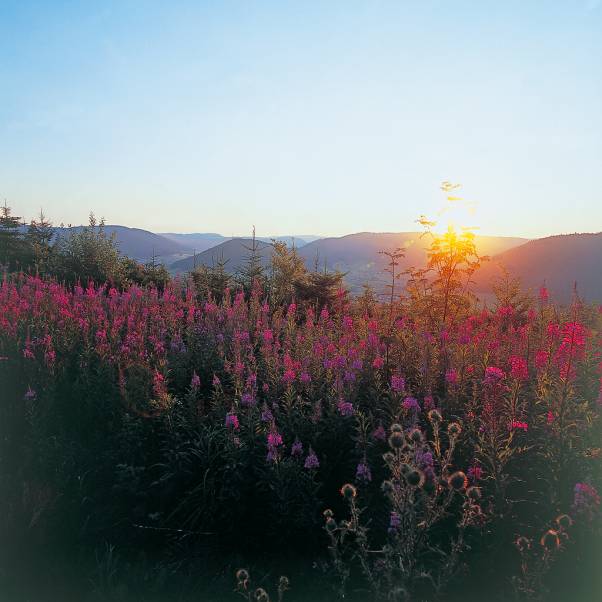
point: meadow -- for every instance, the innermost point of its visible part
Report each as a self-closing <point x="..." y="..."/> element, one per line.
<point x="204" y="437"/>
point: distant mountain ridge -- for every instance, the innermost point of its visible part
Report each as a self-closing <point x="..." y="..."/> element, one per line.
<point x="562" y="262"/>
<point x="559" y="260"/>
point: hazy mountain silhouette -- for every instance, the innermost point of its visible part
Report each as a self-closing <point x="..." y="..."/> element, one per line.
<point x="234" y="252"/>
<point x="359" y="254"/>
<point x="560" y="261"/>
<point x="139" y="244"/>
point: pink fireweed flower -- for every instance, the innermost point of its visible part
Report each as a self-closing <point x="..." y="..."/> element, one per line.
<point x="305" y="378"/>
<point x="451" y="376"/>
<point x="517" y="424"/>
<point x="216" y="382"/>
<point x="30" y="394"/>
<point x="195" y="382"/>
<point x="268" y="336"/>
<point x="475" y="472"/>
<point x="288" y="377"/>
<point x="398" y="383"/>
<point x="345" y="408"/>
<point x="378" y="362"/>
<point x="541" y="359"/>
<point x="232" y="421"/>
<point x="274" y="439"/>
<point x="493" y="375"/>
<point x="550" y="417"/>
<point x="543" y="294"/>
<point x="519" y="369"/>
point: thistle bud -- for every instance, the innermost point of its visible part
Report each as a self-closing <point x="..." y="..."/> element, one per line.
<point x="396" y="440"/>
<point x="348" y="491"/>
<point x="453" y="429"/>
<point x="474" y="493"/>
<point x="331" y="524"/>
<point x="387" y="487"/>
<point x="415" y="477"/>
<point x="550" y="540"/>
<point x="242" y="578"/>
<point x="396" y="428"/>
<point x="328" y="513"/>
<point x="522" y="544"/>
<point x="415" y="436"/>
<point x="388" y="457"/>
<point x="435" y="416"/>
<point x="564" y="521"/>
<point x="261" y="595"/>
<point x="458" y="480"/>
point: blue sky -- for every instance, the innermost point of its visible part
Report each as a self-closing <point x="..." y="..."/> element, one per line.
<point x="303" y="117"/>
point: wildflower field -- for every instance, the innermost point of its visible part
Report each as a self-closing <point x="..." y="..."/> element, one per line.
<point x="155" y="441"/>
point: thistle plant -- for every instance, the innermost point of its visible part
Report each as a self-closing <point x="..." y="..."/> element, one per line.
<point x="422" y="492"/>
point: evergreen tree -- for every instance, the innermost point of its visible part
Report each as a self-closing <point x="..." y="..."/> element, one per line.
<point x="13" y="249"/>
<point x="88" y="254"/>
<point x="287" y="267"/>
<point x="253" y="271"/>
<point x="39" y="238"/>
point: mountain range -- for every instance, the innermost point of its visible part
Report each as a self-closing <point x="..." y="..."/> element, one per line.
<point x="559" y="261"/>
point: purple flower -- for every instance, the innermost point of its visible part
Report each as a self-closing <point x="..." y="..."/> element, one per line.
<point x="411" y="403"/>
<point x="232" y="421"/>
<point x="429" y="402"/>
<point x="248" y="400"/>
<point x="30" y="394"/>
<point x="424" y="459"/>
<point x="311" y="461"/>
<point x="586" y="500"/>
<point x="394" y="522"/>
<point x="305" y="378"/>
<point x="379" y="433"/>
<point x="195" y="382"/>
<point x="266" y="414"/>
<point x="345" y="408"/>
<point x="297" y="448"/>
<point x="216" y="381"/>
<point x="398" y="383"/>
<point x="363" y="473"/>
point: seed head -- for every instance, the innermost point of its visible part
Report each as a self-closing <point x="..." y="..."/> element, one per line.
<point x="242" y="577"/>
<point x="564" y="521"/>
<point x="261" y="595"/>
<point x="387" y="487"/>
<point x="396" y="440"/>
<point x="454" y="429"/>
<point x="458" y="480"/>
<point x="550" y="540"/>
<point x="435" y="416"/>
<point x="522" y="544"/>
<point x="415" y="436"/>
<point x="474" y="493"/>
<point x="415" y="477"/>
<point x="348" y="491"/>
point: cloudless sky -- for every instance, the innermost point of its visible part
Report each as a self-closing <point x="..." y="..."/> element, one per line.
<point x="303" y="117"/>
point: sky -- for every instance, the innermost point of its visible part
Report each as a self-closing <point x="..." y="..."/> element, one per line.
<point x="303" y="117"/>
